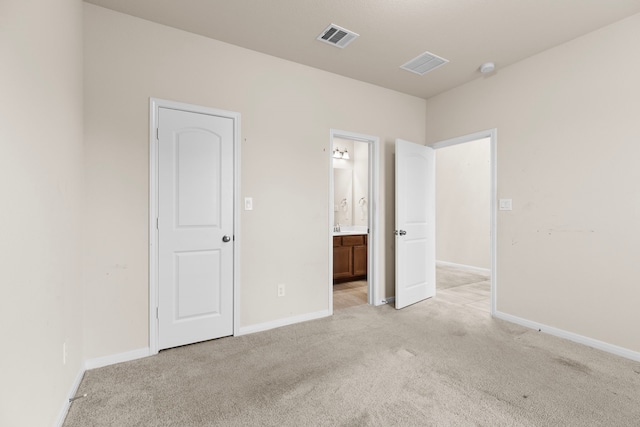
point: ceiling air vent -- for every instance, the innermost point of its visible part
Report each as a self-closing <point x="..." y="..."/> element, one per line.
<point x="424" y="63"/>
<point x="337" y="36"/>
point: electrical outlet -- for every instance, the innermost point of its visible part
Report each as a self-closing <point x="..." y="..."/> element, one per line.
<point x="506" y="205"/>
<point x="281" y="290"/>
<point x="64" y="353"/>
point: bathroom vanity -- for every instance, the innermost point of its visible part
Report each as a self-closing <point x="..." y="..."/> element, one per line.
<point x="349" y="257"/>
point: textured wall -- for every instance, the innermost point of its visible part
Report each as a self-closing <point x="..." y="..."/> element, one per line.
<point x="567" y="152"/>
<point x="463" y="204"/>
<point x="41" y="179"/>
<point x="285" y="107"/>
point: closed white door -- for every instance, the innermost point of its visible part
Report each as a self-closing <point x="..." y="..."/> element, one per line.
<point x="415" y="223"/>
<point x="195" y="223"/>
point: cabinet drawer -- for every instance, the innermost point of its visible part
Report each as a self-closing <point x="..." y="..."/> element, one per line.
<point x="337" y="241"/>
<point x="352" y="240"/>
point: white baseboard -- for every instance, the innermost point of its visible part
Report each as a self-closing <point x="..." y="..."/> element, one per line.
<point x="600" y="345"/>
<point x="282" y="322"/>
<point x="464" y="267"/>
<point x="67" y="403"/>
<point x="99" y="362"/>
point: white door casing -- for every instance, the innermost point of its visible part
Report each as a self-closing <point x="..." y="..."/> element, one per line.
<point x="415" y="223"/>
<point x="195" y="227"/>
<point x="492" y="134"/>
<point x="373" y="256"/>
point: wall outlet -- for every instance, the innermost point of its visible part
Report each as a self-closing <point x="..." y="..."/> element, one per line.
<point x="281" y="290"/>
<point x="505" y="205"/>
<point x="64" y="353"/>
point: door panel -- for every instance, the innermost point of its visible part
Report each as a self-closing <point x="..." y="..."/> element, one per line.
<point x="359" y="260"/>
<point x="415" y="223"/>
<point x="196" y="151"/>
<point x="342" y="262"/>
<point x="195" y="200"/>
<point x="194" y="271"/>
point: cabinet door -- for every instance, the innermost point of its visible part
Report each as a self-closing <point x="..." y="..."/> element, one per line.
<point x="359" y="260"/>
<point x="342" y="262"/>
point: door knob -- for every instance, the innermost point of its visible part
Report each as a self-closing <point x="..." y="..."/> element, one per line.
<point x="400" y="232"/>
<point x="226" y="239"/>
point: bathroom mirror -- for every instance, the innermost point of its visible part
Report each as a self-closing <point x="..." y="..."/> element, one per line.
<point x="351" y="185"/>
<point x="343" y="196"/>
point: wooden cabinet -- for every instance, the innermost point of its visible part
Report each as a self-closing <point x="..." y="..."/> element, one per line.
<point x="360" y="260"/>
<point x="349" y="257"/>
<point x="342" y="262"/>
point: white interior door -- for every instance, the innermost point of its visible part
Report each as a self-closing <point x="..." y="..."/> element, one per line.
<point x="195" y="227"/>
<point x="415" y="223"/>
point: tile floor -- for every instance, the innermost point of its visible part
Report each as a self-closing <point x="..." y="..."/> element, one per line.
<point x="349" y="294"/>
<point x="454" y="285"/>
<point x="463" y="287"/>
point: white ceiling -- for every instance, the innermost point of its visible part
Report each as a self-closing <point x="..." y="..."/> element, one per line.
<point x="466" y="32"/>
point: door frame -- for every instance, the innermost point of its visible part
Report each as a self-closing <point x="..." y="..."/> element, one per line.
<point x="492" y="134"/>
<point x="154" y="105"/>
<point x="373" y="214"/>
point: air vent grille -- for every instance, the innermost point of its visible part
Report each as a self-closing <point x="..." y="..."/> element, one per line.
<point x="424" y="63"/>
<point x="337" y="36"/>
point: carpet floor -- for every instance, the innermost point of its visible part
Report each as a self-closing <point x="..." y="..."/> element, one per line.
<point x="436" y="363"/>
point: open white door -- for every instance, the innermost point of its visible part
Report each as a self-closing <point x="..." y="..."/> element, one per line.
<point x="415" y="223"/>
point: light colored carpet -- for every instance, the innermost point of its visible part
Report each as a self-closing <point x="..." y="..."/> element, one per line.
<point x="434" y="363"/>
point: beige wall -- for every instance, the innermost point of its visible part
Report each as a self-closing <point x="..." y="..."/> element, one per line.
<point x="40" y="217"/>
<point x="284" y="106"/>
<point x="567" y="154"/>
<point x="463" y="204"/>
<point x="567" y="148"/>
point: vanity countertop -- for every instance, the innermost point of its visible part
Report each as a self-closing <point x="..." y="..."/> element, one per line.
<point x="349" y="233"/>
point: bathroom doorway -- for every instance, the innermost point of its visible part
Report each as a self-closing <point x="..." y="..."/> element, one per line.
<point x="352" y="219"/>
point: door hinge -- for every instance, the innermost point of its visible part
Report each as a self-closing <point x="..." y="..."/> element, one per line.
<point x="157" y="223"/>
<point x="157" y="313"/>
<point x="158" y="134"/>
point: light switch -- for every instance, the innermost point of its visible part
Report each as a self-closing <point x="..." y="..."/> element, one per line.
<point x="506" y="205"/>
<point x="248" y="203"/>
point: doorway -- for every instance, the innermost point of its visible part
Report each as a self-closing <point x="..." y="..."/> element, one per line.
<point x="353" y="219"/>
<point x="466" y="220"/>
<point x="193" y="222"/>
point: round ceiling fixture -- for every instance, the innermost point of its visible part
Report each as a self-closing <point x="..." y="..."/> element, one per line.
<point x="487" y="67"/>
